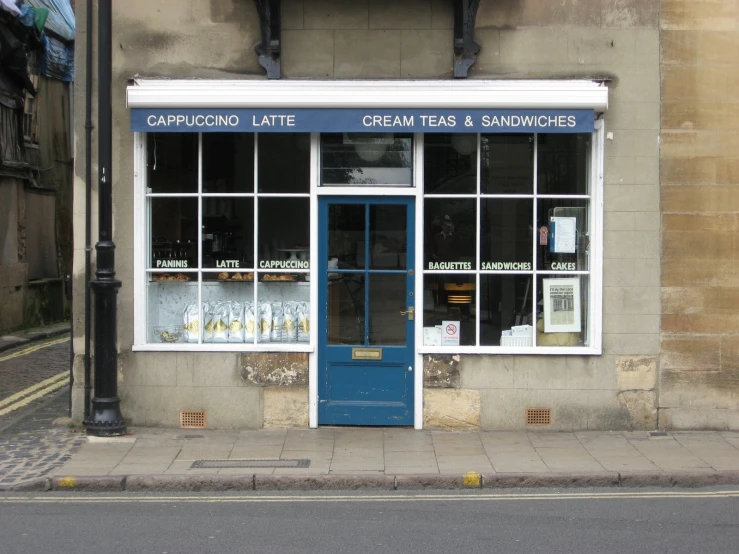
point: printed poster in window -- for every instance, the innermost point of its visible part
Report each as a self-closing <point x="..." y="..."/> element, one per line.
<point x="562" y="305"/>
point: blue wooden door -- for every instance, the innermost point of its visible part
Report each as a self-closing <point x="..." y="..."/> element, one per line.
<point x="366" y="318"/>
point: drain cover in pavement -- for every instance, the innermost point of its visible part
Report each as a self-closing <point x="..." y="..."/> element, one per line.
<point x="236" y="464"/>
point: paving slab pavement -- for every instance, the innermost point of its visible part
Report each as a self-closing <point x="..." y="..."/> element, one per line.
<point x="336" y="458"/>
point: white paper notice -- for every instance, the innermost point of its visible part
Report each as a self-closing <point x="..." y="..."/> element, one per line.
<point x="565" y="234"/>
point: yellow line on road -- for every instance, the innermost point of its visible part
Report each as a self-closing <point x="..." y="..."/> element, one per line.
<point x="34" y="348"/>
<point x="25" y="401"/>
<point x="29" y="390"/>
<point x="400" y="497"/>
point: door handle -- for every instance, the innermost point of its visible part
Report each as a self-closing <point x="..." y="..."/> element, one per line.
<point x="410" y="311"/>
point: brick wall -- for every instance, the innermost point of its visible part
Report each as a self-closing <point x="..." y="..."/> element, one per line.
<point x="699" y="380"/>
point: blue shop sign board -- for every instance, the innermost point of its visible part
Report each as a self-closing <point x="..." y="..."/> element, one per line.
<point x="352" y="120"/>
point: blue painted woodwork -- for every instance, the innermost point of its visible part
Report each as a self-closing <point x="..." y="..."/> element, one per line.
<point x="364" y="392"/>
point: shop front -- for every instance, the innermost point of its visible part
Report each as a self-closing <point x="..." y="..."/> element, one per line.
<point x="368" y="226"/>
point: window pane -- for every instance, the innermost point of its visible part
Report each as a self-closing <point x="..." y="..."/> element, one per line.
<point x="167" y="311"/>
<point x="450" y="164"/>
<point x="174" y="224"/>
<point x="228" y="162"/>
<point x="506" y="234"/>
<point x="388" y="236"/>
<point x="346" y="235"/>
<point x="387" y="298"/>
<point x="450" y="233"/>
<point x="563" y="242"/>
<point x="562" y="318"/>
<point x="449" y="298"/>
<point x="563" y="164"/>
<point x="284" y="233"/>
<point x="507" y="164"/>
<point x="505" y="310"/>
<point x="283" y="311"/>
<point x="284" y="162"/>
<point x="172" y="162"/>
<point x="228" y="233"/>
<point x="366" y="159"/>
<point x="227" y="314"/>
<point x="346" y="301"/>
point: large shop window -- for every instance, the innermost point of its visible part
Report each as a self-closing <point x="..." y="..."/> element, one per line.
<point x="228" y="238"/>
<point x="507" y="230"/>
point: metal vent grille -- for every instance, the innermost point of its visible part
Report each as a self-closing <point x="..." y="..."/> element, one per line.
<point x="192" y="419"/>
<point x="236" y="464"/>
<point x="538" y="416"/>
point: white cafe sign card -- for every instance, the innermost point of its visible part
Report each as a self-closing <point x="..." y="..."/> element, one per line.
<point x="450" y="333"/>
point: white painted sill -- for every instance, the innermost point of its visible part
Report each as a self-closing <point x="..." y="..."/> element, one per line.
<point x="221" y="347"/>
<point x="517" y="351"/>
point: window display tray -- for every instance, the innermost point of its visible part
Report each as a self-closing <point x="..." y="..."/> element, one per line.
<point x="210" y="283"/>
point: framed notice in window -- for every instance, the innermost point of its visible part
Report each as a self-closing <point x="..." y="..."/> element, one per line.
<point x="561" y="305"/>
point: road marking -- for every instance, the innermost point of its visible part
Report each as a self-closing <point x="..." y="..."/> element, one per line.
<point x="28" y="399"/>
<point x="34" y="348"/>
<point x="29" y="390"/>
<point x="400" y="497"/>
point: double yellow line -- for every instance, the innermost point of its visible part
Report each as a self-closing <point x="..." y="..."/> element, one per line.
<point x="24" y="397"/>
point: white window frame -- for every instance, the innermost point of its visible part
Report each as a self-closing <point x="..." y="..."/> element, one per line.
<point x="142" y="231"/>
<point x="595" y="273"/>
<point x="493" y="94"/>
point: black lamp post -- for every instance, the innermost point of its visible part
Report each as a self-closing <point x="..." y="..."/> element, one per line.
<point x="105" y="418"/>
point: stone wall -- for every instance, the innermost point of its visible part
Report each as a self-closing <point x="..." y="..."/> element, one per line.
<point x="699" y="379"/>
<point x="616" y="40"/>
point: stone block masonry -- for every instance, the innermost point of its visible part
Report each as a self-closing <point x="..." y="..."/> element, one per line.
<point x="699" y="371"/>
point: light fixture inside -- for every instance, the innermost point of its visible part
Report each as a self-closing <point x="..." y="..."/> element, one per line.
<point x="464" y="144"/>
<point x="370" y="147"/>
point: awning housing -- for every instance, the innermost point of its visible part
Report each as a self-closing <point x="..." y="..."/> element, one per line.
<point x="480" y="94"/>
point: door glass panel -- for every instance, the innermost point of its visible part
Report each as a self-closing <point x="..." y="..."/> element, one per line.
<point x="388" y="237"/>
<point x="346" y="294"/>
<point x="387" y="298"/>
<point x="346" y="236"/>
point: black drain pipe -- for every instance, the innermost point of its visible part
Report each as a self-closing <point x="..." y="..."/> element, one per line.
<point x="88" y="200"/>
